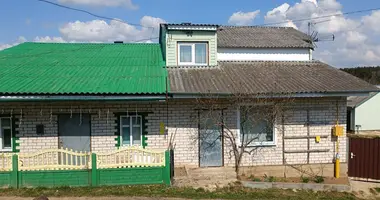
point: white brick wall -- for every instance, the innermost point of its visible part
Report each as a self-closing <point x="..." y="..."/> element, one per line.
<point x="180" y="117"/>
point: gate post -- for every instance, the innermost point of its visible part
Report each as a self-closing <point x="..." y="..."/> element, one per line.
<point x="14" y="173"/>
<point x="94" y="170"/>
<point x="166" y="170"/>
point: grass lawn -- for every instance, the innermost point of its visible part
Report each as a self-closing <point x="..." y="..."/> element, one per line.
<point x="233" y="192"/>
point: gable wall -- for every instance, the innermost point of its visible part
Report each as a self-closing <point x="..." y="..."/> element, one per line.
<point x="367" y="114"/>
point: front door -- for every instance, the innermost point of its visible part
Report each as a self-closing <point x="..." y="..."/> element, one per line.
<point x="210" y="139"/>
<point x="74" y="132"/>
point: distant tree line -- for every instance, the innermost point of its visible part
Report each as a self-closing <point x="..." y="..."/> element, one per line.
<point x="369" y="74"/>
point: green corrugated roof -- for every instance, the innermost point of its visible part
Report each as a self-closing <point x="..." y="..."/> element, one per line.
<point x="82" y="68"/>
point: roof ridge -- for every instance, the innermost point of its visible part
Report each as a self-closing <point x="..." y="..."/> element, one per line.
<point x="256" y="26"/>
<point x="269" y="61"/>
<point x="89" y="43"/>
<point x="190" y="66"/>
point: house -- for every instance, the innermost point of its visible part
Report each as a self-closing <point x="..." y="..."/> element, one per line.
<point x="98" y="97"/>
<point x="362" y="112"/>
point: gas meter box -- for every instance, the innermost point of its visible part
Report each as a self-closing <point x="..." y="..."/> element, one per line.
<point x="338" y="131"/>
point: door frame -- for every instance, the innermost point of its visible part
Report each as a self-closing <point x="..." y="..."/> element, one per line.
<point x="90" y="124"/>
<point x="199" y="140"/>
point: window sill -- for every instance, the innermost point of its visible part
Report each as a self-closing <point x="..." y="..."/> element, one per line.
<point x="6" y="150"/>
<point x="262" y="145"/>
<point x="192" y="64"/>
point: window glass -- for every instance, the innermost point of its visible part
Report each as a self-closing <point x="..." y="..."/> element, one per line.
<point x="185" y="53"/>
<point x="200" y="53"/>
<point x="136" y="135"/>
<point x="5" y="122"/>
<point x="126" y="135"/>
<point x="136" y="120"/>
<point x="7" y="138"/>
<point x="125" y="121"/>
<point x="256" y="126"/>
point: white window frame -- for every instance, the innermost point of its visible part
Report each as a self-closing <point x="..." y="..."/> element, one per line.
<point x="192" y="44"/>
<point x="255" y="144"/>
<point x="130" y="129"/>
<point x="2" y="136"/>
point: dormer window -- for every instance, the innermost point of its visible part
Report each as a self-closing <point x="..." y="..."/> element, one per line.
<point x="192" y="53"/>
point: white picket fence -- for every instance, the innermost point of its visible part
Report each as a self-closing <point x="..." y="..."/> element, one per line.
<point x="65" y="159"/>
<point x="6" y="161"/>
<point x="131" y="157"/>
<point x="54" y="159"/>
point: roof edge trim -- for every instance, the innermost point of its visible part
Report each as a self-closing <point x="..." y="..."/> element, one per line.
<point x="295" y="95"/>
<point x="82" y="98"/>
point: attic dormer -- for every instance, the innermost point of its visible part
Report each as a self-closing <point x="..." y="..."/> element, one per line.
<point x="189" y="44"/>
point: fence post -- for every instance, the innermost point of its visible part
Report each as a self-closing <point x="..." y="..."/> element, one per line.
<point x="94" y="170"/>
<point x="14" y="173"/>
<point x="166" y="172"/>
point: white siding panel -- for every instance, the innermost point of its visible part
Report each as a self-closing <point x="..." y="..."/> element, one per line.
<point x="244" y="54"/>
<point x="367" y="114"/>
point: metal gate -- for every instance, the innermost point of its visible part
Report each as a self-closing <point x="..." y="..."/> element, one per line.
<point x="364" y="158"/>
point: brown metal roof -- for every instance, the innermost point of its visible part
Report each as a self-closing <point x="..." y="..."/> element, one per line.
<point x="264" y="77"/>
<point x="262" y="37"/>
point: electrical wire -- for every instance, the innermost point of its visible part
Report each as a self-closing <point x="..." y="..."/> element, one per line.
<point x="103" y="17"/>
<point x="321" y="17"/>
<point x="93" y="14"/>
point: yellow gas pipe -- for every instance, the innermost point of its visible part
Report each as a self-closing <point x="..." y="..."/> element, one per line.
<point x="337" y="158"/>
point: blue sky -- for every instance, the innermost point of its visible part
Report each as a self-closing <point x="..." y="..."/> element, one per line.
<point x="30" y="19"/>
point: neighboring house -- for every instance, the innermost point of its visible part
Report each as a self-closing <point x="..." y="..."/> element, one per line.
<point x="97" y="97"/>
<point x="362" y="112"/>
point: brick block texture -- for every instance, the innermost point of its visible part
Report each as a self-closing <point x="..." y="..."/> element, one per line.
<point x="181" y="120"/>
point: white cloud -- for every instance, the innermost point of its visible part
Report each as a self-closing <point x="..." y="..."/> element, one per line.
<point x="279" y="15"/>
<point x="49" y="39"/>
<point x="356" y="39"/>
<point x="19" y="40"/>
<point x="109" y="3"/>
<point x="329" y="5"/>
<point x="101" y="31"/>
<point x="97" y="31"/>
<point x="372" y="22"/>
<point x="302" y="10"/>
<point x="243" y="18"/>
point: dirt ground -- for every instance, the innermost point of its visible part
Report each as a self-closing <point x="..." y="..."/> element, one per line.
<point x="365" y="189"/>
<point x="327" y="180"/>
<point x="91" y="198"/>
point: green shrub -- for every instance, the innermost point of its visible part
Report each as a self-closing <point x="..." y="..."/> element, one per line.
<point x="271" y="179"/>
<point x="319" y="179"/>
<point x="255" y="179"/>
<point x="305" y="179"/>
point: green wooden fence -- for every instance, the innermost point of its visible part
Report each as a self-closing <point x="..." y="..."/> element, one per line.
<point x="86" y="177"/>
